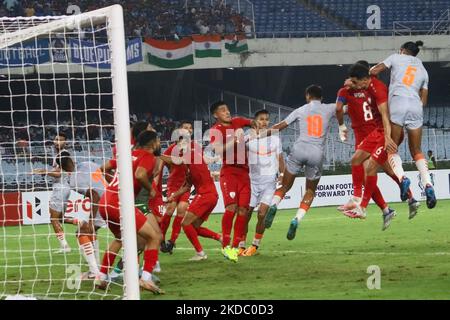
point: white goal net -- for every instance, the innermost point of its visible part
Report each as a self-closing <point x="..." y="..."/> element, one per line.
<point x="63" y="103"/>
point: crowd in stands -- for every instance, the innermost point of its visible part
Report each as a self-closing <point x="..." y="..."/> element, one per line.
<point x="146" y="18"/>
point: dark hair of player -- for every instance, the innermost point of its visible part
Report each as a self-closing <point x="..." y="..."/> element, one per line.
<point x="145" y="137"/>
<point x="62" y="134"/>
<point x="412" y="48"/>
<point x="429" y="151"/>
<point x="364" y="63"/>
<point x="138" y="127"/>
<point x="314" y="91"/>
<point x="358" y="71"/>
<point x="216" y="105"/>
<point x="262" y="111"/>
<point x="184" y="122"/>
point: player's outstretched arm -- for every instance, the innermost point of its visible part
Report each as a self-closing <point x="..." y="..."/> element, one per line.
<point x="171" y="159"/>
<point x="376" y="70"/>
<point x="55" y="173"/>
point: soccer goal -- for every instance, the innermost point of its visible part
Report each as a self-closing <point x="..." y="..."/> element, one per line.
<point x="62" y="79"/>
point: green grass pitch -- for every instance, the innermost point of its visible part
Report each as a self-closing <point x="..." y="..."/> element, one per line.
<point x="327" y="260"/>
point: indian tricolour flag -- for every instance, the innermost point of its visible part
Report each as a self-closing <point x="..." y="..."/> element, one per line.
<point x="170" y="54"/>
<point x="207" y="46"/>
<point x="236" y="43"/>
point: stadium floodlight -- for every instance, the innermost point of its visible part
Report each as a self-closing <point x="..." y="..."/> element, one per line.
<point x="66" y="73"/>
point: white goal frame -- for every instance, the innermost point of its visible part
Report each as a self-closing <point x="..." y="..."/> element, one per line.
<point x="113" y="16"/>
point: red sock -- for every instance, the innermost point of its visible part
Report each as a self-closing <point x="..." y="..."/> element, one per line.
<point x="206" y="233"/>
<point x="150" y="259"/>
<point x="358" y="180"/>
<point x="369" y="187"/>
<point x="108" y="261"/>
<point x="164" y="224"/>
<point x="239" y="230"/>
<point x="227" y="225"/>
<point x="176" y="228"/>
<point x="378" y="198"/>
<point x="192" y="235"/>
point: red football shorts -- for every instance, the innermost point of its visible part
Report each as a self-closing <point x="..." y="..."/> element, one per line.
<point x="157" y="206"/>
<point x="374" y="144"/>
<point x="203" y="204"/>
<point x="183" y="198"/>
<point x="110" y="212"/>
<point x="236" y="188"/>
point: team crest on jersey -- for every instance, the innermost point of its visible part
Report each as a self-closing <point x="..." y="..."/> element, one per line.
<point x="232" y="194"/>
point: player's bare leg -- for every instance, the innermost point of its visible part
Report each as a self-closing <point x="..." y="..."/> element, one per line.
<point x="286" y="185"/>
<point x="176" y="226"/>
<point x="415" y="147"/>
<point x="192" y="226"/>
<point x="55" y="218"/>
<point x="396" y="162"/>
<point x="310" y="186"/>
<point x="259" y="232"/>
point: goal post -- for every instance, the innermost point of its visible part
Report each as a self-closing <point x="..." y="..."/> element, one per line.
<point x="38" y="94"/>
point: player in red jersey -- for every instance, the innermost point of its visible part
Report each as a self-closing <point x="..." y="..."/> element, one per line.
<point x="227" y="139"/>
<point x="136" y="129"/>
<point x="148" y="146"/>
<point x="373" y="144"/>
<point x="365" y="118"/>
<point x="177" y="177"/>
<point x="205" y="199"/>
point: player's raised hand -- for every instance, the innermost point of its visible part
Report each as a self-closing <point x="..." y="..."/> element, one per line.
<point x="389" y="145"/>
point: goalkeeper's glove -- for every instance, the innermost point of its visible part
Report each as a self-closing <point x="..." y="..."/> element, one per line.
<point x="343" y="132"/>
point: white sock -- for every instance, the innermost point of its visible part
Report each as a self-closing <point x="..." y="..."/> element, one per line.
<point x="96" y="251"/>
<point x="89" y="256"/>
<point x="201" y="253"/>
<point x="422" y="166"/>
<point x="396" y="164"/>
<point x="242" y="244"/>
<point x="357" y="199"/>
<point x="146" y="276"/>
<point x="276" y="200"/>
<point x="300" y="214"/>
<point x="62" y="240"/>
<point x="256" y="242"/>
<point x="386" y="210"/>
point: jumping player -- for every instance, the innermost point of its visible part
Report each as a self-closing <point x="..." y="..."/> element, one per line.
<point x="308" y="152"/>
<point x="408" y="95"/>
<point x="227" y="139"/>
<point x="374" y="143"/>
<point x="266" y="166"/>
<point x="365" y="118"/>
<point x="144" y="161"/>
